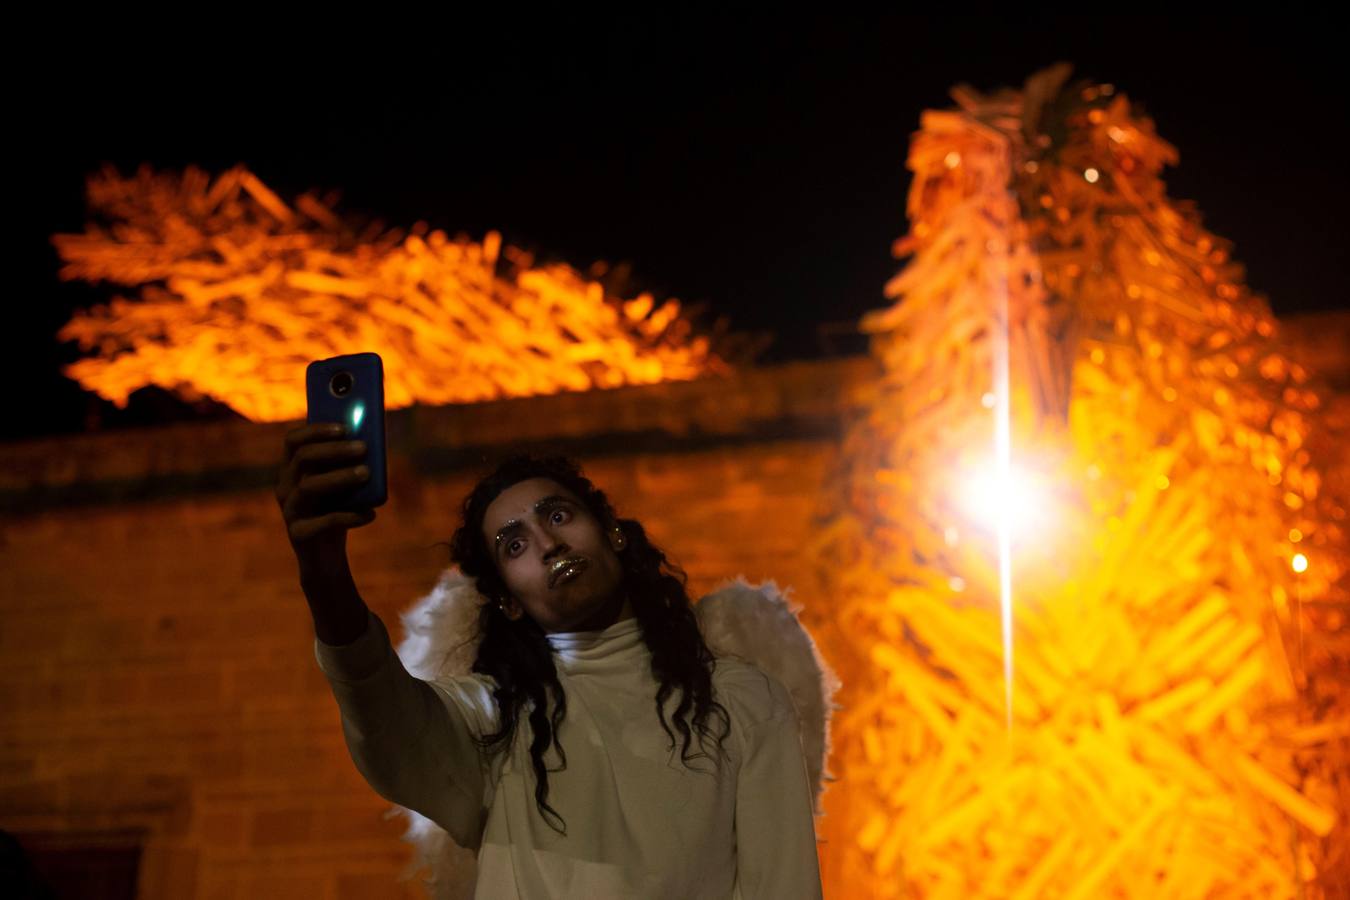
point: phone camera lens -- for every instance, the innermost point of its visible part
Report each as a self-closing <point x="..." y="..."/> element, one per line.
<point x="341" y="384"/>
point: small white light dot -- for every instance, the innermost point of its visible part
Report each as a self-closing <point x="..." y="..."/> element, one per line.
<point x="1092" y="175"/>
<point x="1299" y="563"/>
<point x="987" y="401"/>
<point x="956" y="583"/>
<point x="952" y="160"/>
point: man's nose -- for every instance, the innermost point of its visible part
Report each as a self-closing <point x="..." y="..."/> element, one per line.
<point x="556" y="547"/>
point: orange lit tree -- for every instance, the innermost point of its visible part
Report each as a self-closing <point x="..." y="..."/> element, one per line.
<point x="1165" y="526"/>
<point x="238" y="290"/>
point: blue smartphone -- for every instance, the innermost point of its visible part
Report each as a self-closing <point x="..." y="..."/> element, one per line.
<point x="350" y="389"/>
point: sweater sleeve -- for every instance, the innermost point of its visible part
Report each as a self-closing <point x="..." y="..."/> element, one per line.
<point x="412" y="740"/>
<point x="775" y="828"/>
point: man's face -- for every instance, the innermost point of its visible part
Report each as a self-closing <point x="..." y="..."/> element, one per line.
<point x="534" y="525"/>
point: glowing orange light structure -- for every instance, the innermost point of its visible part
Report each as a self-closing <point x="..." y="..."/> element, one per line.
<point x="239" y="290"/>
<point x="1160" y="742"/>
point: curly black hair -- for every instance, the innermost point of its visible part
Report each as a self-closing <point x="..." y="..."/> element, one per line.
<point x="519" y="658"/>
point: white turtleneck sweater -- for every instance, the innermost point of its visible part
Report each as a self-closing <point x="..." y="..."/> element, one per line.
<point x="639" y="823"/>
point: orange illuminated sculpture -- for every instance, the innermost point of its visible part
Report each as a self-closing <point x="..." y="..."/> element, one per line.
<point x="239" y="290"/>
<point x="1074" y="528"/>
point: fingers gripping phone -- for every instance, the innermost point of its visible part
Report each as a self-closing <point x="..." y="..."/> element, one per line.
<point x="350" y="390"/>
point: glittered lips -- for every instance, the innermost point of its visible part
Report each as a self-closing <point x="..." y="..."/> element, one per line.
<point x="566" y="569"/>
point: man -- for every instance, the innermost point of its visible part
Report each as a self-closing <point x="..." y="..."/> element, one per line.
<point x="646" y="767"/>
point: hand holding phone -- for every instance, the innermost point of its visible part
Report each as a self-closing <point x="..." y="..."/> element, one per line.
<point x="333" y="472"/>
<point x="349" y="390"/>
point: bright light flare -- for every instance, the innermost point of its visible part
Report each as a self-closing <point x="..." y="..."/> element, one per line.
<point x="1016" y="498"/>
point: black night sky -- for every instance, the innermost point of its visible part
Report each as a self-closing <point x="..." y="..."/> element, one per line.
<point x="752" y="163"/>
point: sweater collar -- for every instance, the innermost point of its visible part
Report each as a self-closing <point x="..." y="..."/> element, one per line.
<point x="620" y="645"/>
